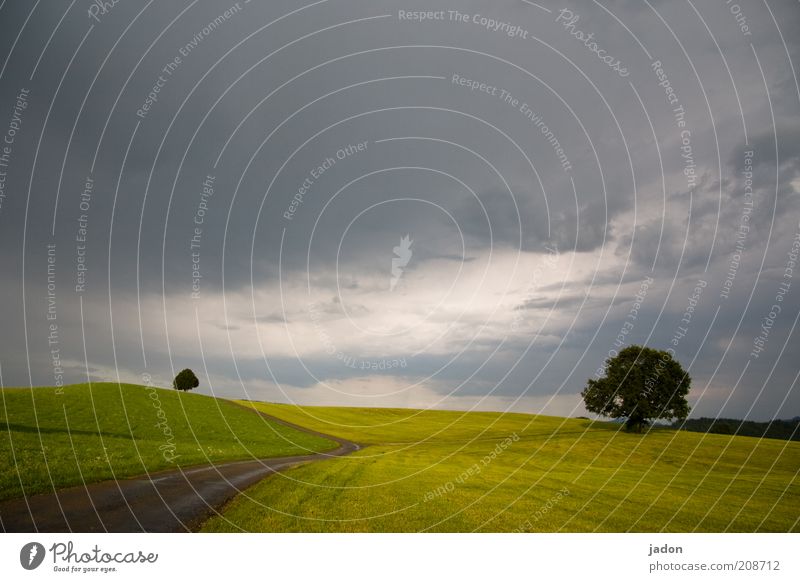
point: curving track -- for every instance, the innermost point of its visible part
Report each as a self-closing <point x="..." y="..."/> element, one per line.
<point x="168" y="501"/>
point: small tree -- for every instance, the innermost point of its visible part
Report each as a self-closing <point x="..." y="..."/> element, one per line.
<point x="641" y="384"/>
<point x="185" y="380"/>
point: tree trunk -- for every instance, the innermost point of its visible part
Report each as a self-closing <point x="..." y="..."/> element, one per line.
<point x="634" y="424"/>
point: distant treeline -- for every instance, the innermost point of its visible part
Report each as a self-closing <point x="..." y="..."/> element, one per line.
<point x="776" y="429"/>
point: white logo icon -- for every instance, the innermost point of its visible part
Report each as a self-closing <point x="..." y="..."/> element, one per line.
<point x="403" y="252"/>
<point x="31" y="555"/>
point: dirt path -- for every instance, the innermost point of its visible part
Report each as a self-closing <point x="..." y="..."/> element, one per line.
<point x="168" y="501"/>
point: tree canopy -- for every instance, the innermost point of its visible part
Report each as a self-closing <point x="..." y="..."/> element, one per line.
<point x="185" y="380"/>
<point x="640" y="384"/>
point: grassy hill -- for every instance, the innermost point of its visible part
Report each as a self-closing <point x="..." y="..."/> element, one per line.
<point x="454" y="471"/>
<point x="101" y="431"/>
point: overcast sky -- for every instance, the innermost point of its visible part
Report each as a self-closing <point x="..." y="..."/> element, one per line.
<point x="228" y="186"/>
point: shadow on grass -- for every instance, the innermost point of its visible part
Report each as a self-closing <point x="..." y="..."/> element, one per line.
<point x="620" y="427"/>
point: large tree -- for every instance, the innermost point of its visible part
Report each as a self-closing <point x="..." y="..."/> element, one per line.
<point x="640" y="384"/>
<point x="185" y="380"/>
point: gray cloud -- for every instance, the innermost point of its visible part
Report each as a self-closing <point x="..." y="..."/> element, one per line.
<point x="477" y="181"/>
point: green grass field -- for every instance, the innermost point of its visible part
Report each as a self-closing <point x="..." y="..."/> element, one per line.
<point x="451" y="471"/>
<point x="101" y="431"/>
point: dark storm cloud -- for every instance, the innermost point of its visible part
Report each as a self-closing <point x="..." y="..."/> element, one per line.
<point x="567" y="161"/>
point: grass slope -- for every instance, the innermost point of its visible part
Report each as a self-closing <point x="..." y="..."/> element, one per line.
<point x="101" y="431"/>
<point x="454" y="471"/>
